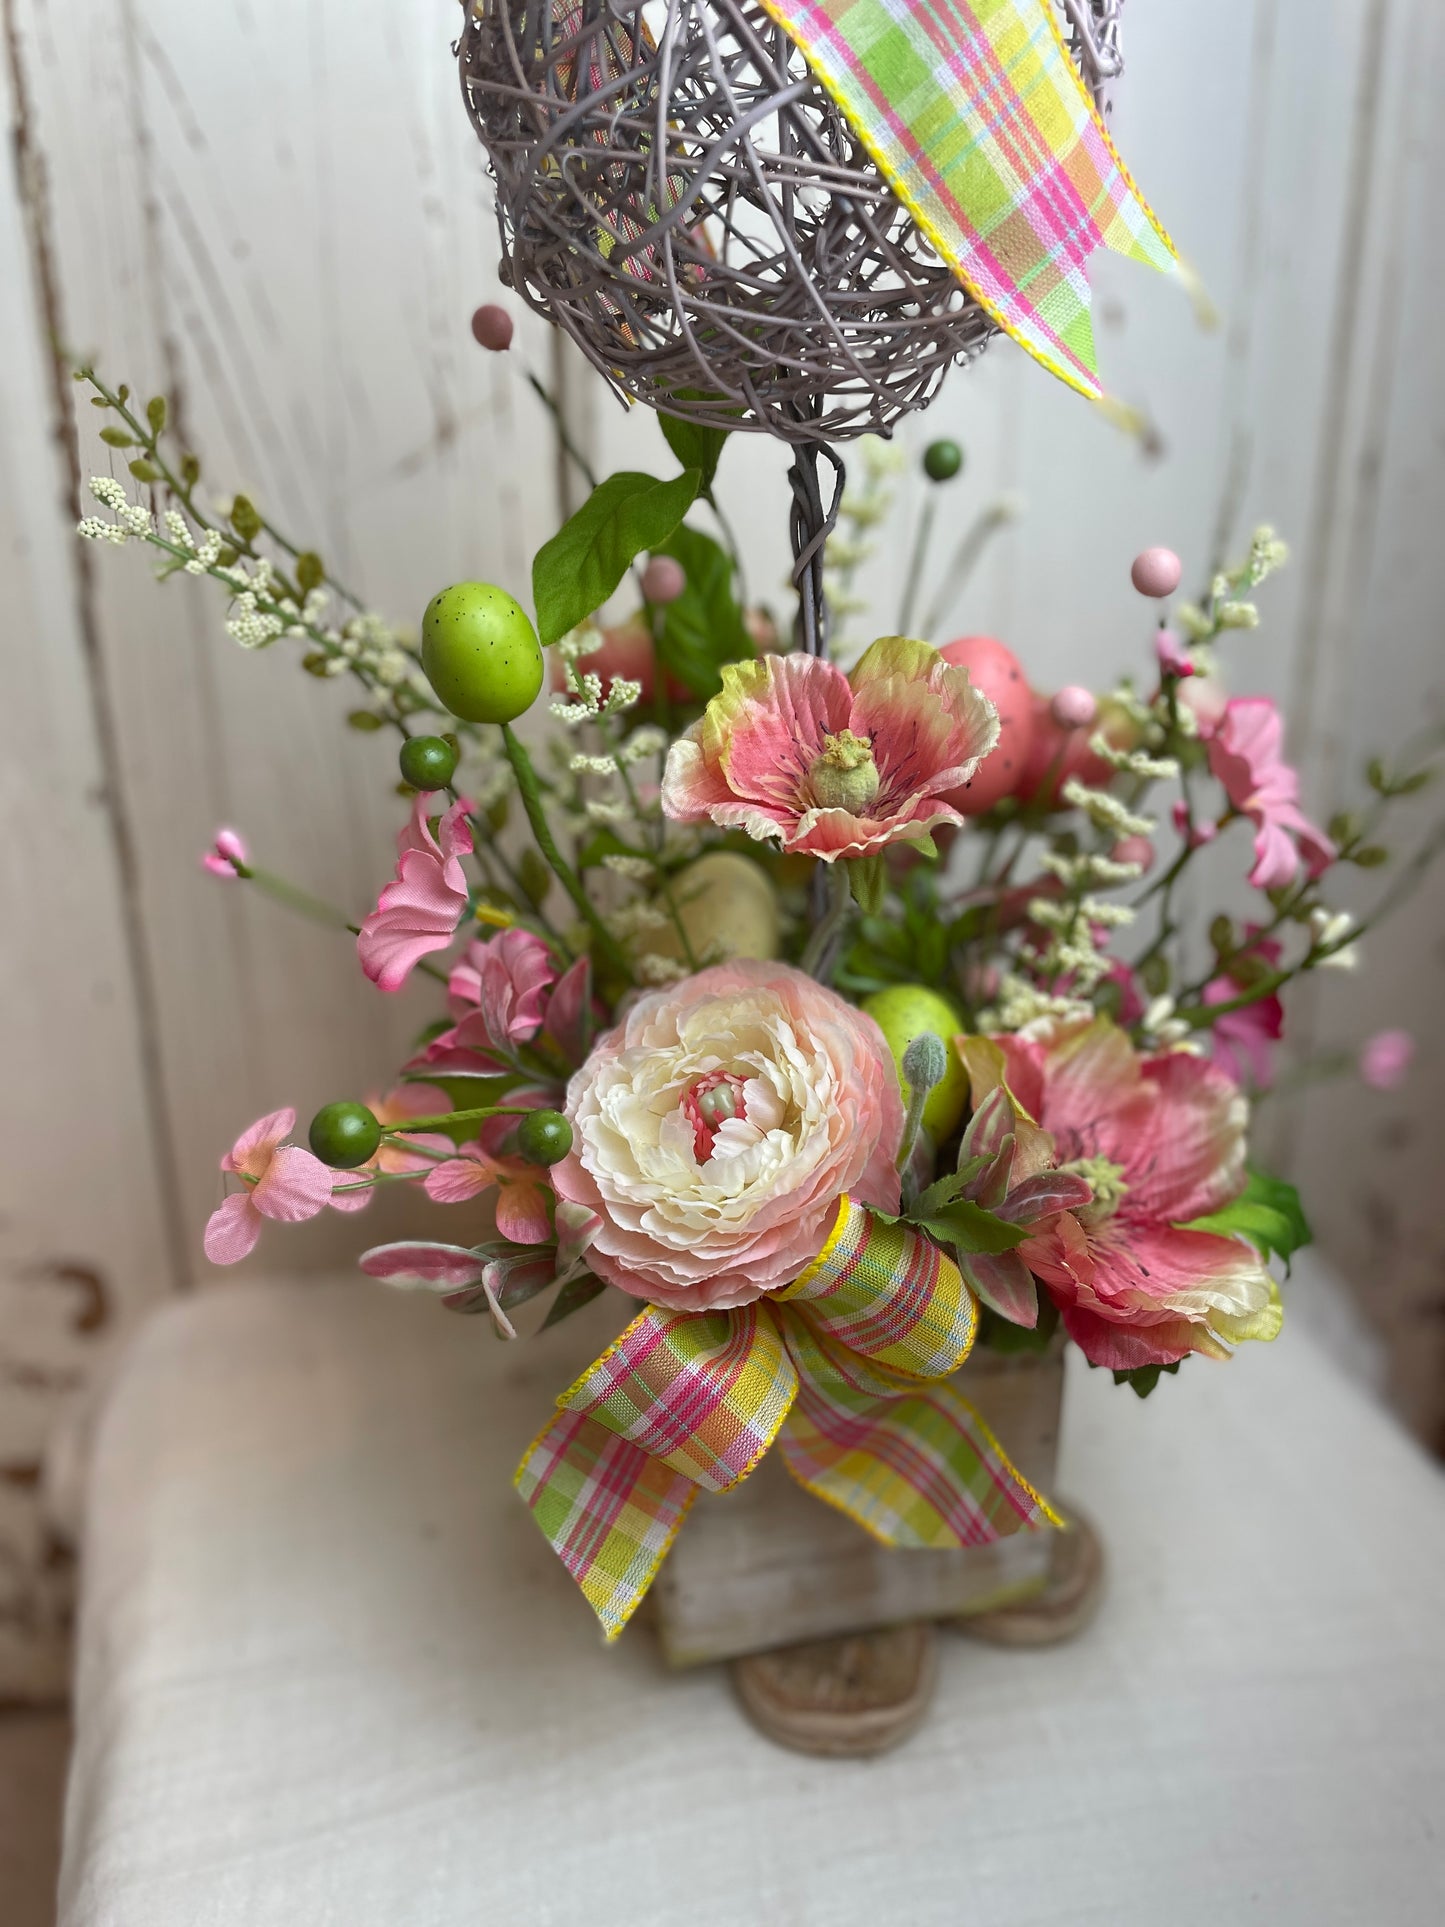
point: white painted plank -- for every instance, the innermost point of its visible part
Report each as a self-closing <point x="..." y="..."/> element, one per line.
<point x="82" y="1226"/>
<point x="283" y="214"/>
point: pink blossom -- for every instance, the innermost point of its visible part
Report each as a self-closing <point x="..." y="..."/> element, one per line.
<point x="280" y="1181"/>
<point x="419" y="911"/>
<point x="521" y="1207"/>
<point x="1161" y="1140"/>
<point x="1174" y="658"/>
<point x="833" y="765"/>
<point x="799" y="1103"/>
<point x="1386" y="1058"/>
<point x="227" y="856"/>
<point x="506" y="979"/>
<point x="1242" y="1042"/>
<point x="1246" y="755"/>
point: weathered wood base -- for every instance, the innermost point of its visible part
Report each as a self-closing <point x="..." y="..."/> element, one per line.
<point x="864" y="1693"/>
<point x="1065" y="1606"/>
<point x="842" y="1698"/>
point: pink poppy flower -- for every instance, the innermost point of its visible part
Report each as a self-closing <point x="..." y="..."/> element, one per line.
<point x="716" y="1128"/>
<point x="419" y="911"/>
<point x="1246" y="754"/>
<point x="280" y="1181"/>
<point x="1161" y="1141"/>
<point x="227" y="856"/>
<point x="833" y="765"/>
<point x="1242" y="1042"/>
<point x="521" y="1207"/>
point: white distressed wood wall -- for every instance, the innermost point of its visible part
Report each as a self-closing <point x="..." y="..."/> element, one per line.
<point x="274" y="210"/>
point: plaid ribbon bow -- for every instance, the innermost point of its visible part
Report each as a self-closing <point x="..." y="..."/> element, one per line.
<point x="977" y="118"/>
<point x="842" y="1369"/>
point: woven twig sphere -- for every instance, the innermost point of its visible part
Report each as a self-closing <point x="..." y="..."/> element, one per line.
<point x="679" y="194"/>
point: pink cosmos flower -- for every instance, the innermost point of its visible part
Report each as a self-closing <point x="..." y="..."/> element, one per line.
<point x="227" y="855"/>
<point x="833" y="765"/>
<point x="1385" y="1060"/>
<point x="1246" y="754"/>
<point x="717" y="1127"/>
<point x="419" y="911"/>
<point x="1242" y="1042"/>
<point x="1161" y="1141"/>
<point x="280" y="1181"/>
<point x="521" y="1207"/>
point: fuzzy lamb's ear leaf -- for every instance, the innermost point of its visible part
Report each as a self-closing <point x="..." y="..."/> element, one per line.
<point x="574" y="573"/>
<point x="414" y="1265"/>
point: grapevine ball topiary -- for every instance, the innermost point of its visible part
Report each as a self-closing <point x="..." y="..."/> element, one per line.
<point x="678" y="192"/>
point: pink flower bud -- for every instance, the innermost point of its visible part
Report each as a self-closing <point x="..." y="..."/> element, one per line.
<point x="1073" y="708"/>
<point x="1385" y="1059"/>
<point x="1174" y="658"/>
<point x="1156" y="573"/>
<point x="1203" y="832"/>
<point x="663" y="580"/>
<point x="1135" y="849"/>
<point x="492" y="327"/>
<point x="225" y="854"/>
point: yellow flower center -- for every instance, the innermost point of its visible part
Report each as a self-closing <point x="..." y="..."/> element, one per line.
<point x="845" y="776"/>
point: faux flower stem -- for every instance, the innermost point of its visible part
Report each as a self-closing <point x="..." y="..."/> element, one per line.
<point x="445" y="1118"/>
<point x="531" y="795"/>
<point x="820" y="957"/>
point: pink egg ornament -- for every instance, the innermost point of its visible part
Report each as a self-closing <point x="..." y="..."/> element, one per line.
<point x="1156" y="573"/>
<point x="998" y="673"/>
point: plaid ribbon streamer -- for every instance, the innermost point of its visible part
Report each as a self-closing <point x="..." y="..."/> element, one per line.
<point x="979" y="121"/>
<point x="843" y="1369"/>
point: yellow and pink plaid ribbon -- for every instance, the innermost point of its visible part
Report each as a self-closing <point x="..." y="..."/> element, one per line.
<point x="843" y="1369"/>
<point x="979" y="121"/>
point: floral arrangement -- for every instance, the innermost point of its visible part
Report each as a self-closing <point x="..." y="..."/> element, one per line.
<point x="841" y="1018"/>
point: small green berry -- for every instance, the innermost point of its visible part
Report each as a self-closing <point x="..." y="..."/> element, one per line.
<point x="544" y="1137"/>
<point x="428" y="762"/>
<point x="480" y="653"/>
<point x="942" y="461"/>
<point x="344" y="1135"/>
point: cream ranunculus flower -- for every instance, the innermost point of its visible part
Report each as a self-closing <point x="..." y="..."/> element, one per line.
<point x="717" y="1127"/>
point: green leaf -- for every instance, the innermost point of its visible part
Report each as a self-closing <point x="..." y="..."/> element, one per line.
<point x="694" y="444"/>
<point x="1143" y="1378"/>
<point x="117" y="437"/>
<point x="156" y="414"/>
<point x="1002" y="1335"/>
<point x="1267" y="1213"/>
<point x="574" y="573"/>
<point x="310" y="571"/>
<point x="704" y="627"/>
<point x="868" y="880"/>
<point x="971" y="1228"/>
<point x="576" y="1293"/>
<point x="245" y="519"/>
<point x="945" y="1189"/>
<point x="143" y="470"/>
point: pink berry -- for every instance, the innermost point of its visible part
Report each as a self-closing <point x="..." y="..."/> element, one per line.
<point x="492" y="327"/>
<point x="1156" y="572"/>
<point x="1073" y="708"/>
<point x="1134" y="849"/>
<point x="663" y="580"/>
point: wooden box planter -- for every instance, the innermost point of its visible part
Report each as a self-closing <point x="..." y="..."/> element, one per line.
<point x="769" y="1565"/>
